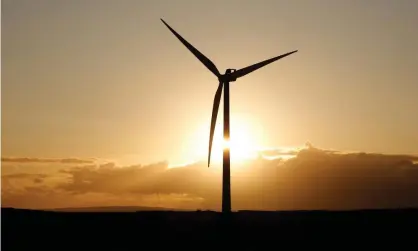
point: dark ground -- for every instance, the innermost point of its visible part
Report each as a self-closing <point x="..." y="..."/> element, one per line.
<point x="245" y="230"/>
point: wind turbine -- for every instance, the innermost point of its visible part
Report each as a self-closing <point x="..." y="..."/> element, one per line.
<point x="230" y="75"/>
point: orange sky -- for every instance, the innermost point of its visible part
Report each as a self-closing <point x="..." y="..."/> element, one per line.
<point x="107" y="80"/>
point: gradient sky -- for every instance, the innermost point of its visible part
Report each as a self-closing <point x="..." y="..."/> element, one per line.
<point x="106" y="79"/>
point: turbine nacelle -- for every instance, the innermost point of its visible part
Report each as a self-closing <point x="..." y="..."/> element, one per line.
<point x="228" y="76"/>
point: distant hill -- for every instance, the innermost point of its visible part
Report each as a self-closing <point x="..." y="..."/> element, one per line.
<point x="163" y="229"/>
<point x="110" y="209"/>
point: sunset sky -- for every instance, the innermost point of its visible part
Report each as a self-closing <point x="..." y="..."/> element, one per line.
<point x="92" y="89"/>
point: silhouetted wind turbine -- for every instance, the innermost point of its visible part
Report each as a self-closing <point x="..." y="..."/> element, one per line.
<point x="230" y="75"/>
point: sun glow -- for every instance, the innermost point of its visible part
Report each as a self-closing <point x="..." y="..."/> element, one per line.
<point x="226" y="144"/>
<point x="242" y="143"/>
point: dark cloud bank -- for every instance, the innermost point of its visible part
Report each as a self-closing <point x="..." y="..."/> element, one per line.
<point x="313" y="179"/>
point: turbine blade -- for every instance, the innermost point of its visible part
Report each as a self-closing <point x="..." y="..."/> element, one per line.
<point x="216" y="102"/>
<point x="244" y="71"/>
<point x="206" y="61"/>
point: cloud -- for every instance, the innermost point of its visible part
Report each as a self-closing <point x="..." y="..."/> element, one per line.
<point x="313" y="179"/>
<point x="277" y="152"/>
<point x="44" y="160"/>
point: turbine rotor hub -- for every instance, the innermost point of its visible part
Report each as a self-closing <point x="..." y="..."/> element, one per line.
<point x="228" y="77"/>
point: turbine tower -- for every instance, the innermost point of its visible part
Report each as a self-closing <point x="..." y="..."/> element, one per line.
<point x="230" y="75"/>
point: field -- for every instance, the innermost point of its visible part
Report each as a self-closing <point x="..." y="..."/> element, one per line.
<point x="206" y="230"/>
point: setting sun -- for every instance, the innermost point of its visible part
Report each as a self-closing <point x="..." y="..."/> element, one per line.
<point x="243" y="143"/>
<point x="226" y="144"/>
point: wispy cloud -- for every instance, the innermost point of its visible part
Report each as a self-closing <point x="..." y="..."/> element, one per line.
<point x="45" y="160"/>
